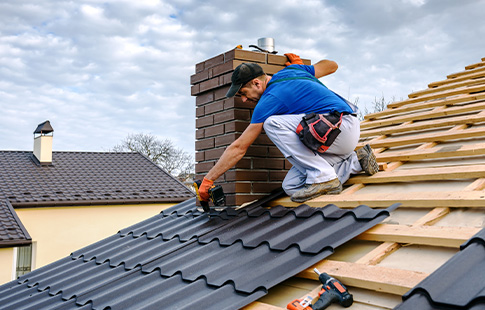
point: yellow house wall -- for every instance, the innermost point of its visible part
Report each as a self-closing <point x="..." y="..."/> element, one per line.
<point x="59" y="231"/>
<point x="6" y="263"/>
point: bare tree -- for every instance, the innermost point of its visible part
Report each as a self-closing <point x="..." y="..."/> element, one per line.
<point x="173" y="160"/>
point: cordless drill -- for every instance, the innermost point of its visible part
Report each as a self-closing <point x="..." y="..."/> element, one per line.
<point x="332" y="291"/>
<point x="216" y="195"/>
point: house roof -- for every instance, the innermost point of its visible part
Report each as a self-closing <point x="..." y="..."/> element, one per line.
<point x="86" y="178"/>
<point x="12" y="232"/>
<point x="78" y="178"/>
<point x="458" y="284"/>
<point x="183" y="259"/>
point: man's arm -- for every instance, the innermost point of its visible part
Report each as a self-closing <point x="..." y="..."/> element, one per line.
<point x="235" y="151"/>
<point x="325" y="67"/>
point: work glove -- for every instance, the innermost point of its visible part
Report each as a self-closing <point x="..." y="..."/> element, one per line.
<point x="293" y="59"/>
<point x="204" y="189"/>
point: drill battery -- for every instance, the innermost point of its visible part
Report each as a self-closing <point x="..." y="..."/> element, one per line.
<point x="216" y="195"/>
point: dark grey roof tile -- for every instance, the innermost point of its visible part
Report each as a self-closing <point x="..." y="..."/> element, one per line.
<point x="12" y="231"/>
<point x="458" y="284"/>
<point x="224" y="261"/>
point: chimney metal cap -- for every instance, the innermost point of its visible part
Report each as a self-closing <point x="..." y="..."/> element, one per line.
<point x="44" y="128"/>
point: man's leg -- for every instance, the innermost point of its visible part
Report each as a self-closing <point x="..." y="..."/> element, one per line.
<point x="340" y="155"/>
<point x="308" y="166"/>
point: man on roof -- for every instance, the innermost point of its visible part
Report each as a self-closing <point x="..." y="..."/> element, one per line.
<point x="283" y="100"/>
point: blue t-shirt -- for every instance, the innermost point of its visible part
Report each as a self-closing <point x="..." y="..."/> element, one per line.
<point x="299" y="92"/>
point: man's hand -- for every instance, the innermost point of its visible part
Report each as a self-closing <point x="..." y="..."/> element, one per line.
<point x="204" y="189"/>
<point x="293" y="59"/>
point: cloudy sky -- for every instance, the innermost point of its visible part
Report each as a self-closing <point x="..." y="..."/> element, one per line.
<point x="100" y="70"/>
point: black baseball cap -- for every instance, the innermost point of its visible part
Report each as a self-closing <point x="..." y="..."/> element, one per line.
<point x="243" y="73"/>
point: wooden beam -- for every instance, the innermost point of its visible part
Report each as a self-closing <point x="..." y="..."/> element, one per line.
<point x="381" y="279"/>
<point x="447" y="87"/>
<point x="470" y="75"/>
<point x="422" y="174"/>
<point x="428" y="137"/>
<point x="426" y="235"/>
<point x="256" y="305"/>
<point x="431" y="124"/>
<point x="458" y="199"/>
<point x="426" y="115"/>
<point x="449" y="93"/>
<point x="378" y="254"/>
<point x="434" y="153"/>
<point x="424" y="105"/>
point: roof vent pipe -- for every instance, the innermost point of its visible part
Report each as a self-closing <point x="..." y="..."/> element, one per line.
<point x="265" y="45"/>
<point x="43" y="143"/>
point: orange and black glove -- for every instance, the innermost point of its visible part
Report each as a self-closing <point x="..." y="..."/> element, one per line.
<point x="204" y="189"/>
<point x="293" y="59"/>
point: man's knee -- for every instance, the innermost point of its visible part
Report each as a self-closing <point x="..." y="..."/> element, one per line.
<point x="270" y="122"/>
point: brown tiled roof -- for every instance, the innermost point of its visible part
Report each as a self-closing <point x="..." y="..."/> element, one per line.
<point x="81" y="178"/>
<point x="12" y="232"/>
<point x="78" y="178"/>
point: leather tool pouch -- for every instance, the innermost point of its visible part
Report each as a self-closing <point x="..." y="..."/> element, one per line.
<point x="318" y="131"/>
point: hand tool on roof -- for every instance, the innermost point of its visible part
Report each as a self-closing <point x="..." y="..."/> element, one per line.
<point x="216" y="195"/>
<point x="332" y="292"/>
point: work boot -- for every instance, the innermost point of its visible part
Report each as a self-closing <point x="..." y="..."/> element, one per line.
<point x="310" y="191"/>
<point x="367" y="160"/>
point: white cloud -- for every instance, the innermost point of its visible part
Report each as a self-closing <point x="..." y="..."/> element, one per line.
<point x="102" y="69"/>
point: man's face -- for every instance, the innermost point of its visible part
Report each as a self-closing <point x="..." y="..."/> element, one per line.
<point x="251" y="91"/>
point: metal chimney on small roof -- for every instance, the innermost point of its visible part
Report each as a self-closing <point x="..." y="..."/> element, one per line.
<point x="43" y="143"/>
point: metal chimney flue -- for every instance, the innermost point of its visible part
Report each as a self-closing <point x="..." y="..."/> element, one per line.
<point x="43" y="135"/>
<point x="265" y="45"/>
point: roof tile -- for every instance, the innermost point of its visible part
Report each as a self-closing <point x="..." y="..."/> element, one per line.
<point x="182" y="252"/>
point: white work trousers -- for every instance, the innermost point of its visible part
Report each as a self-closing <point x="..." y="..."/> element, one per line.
<point x="339" y="160"/>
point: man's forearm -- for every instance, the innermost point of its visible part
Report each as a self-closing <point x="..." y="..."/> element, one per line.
<point x="229" y="158"/>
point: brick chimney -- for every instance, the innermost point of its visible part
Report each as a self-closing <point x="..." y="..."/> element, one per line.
<point x="221" y="120"/>
<point x="43" y="135"/>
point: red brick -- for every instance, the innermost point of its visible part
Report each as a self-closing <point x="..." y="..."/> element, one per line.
<point x="204" y="167"/>
<point x="267" y="163"/>
<point x="238" y="126"/>
<point x="213" y="153"/>
<point x="214" y="130"/>
<point x="199" y="111"/>
<point x="226" y="139"/>
<point x="275" y="175"/>
<point x="264" y="187"/>
<point x="199" y="156"/>
<point x="248" y="56"/>
<point x="220" y="93"/>
<point x="214" y="107"/>
<point x="246" y="175"/>
<point x="214" y="61"/>
<point x="204" y="98"/>
<point x="263" y="140"/>
<point x="222" y="69"/>
<point x="204" y="144"/>
<point x="195" y="90"/>
<point x="200" y="134"/>
<point x="236" y="187"/>
<point x="288" y="165"/>
<point x="274" y="152"/>
<point x="199" y="77"/>
<point x="204" y="121"/>
<point x="209" y="84"/>
<point x="199" y="67"/>
<point x="244" y="163"/>
<point x="236" y="102"/>
<point x="231" y="115"/>
<point x="257" y="151"/>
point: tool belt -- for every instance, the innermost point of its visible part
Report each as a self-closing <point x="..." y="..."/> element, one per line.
<point x="318" y="131"/>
